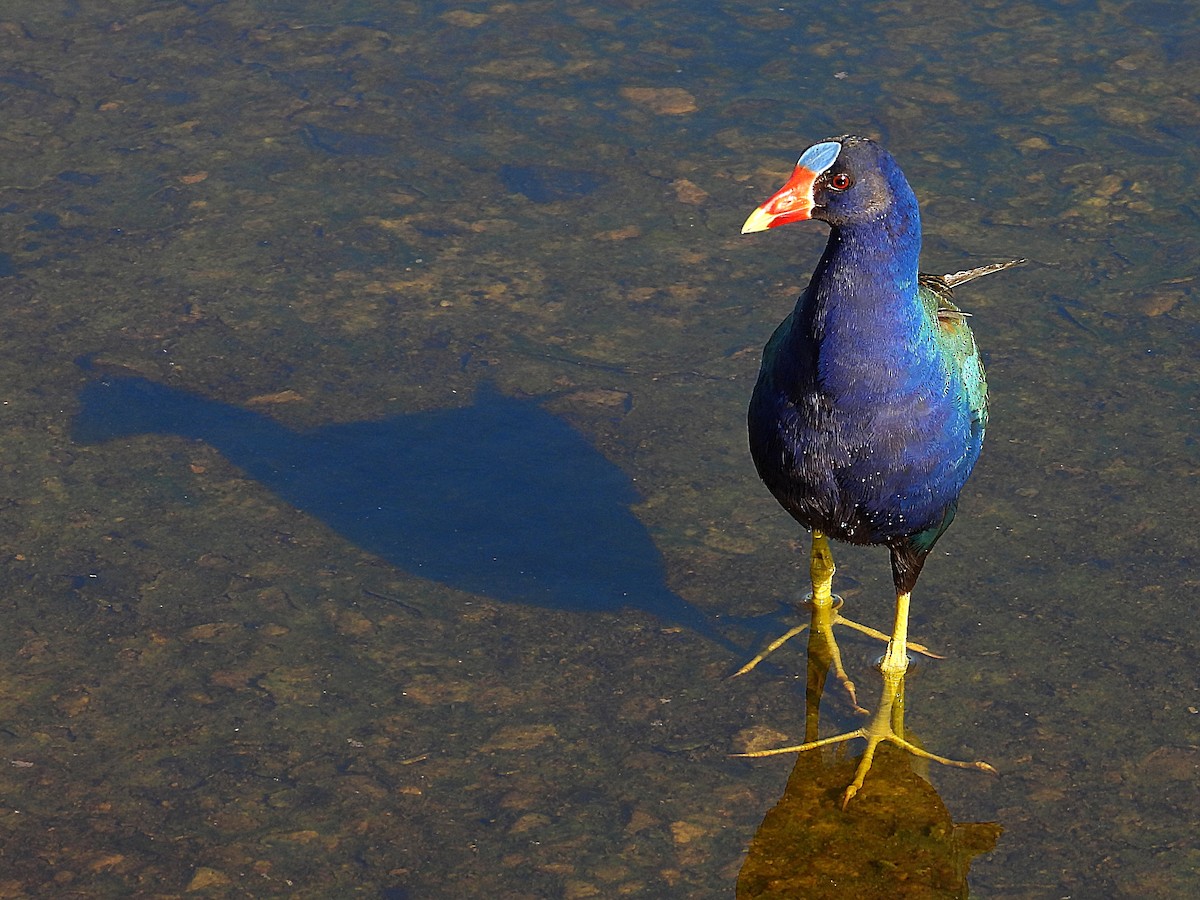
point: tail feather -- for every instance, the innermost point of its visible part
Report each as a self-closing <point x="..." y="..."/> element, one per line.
<point x="956" y="278"/>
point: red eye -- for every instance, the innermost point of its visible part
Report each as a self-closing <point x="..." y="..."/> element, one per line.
<point x="840" y="181"/>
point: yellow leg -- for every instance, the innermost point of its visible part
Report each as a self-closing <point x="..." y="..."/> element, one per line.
<point x="887" y="722"/>
<point x="821" y="569"/>
<point x="895" y="661"/>
<point x="824" y="607"/>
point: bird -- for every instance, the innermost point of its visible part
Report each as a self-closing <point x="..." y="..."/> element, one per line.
<point x="870" y="407"/>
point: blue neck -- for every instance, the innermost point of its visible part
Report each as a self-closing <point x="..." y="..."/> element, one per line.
<point x="862" y="313"/>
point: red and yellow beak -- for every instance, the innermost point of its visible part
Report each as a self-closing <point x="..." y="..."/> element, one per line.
<point x="794" y="201"/>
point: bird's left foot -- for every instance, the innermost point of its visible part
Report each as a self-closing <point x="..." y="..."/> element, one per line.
<point x="879" y="729"/>
<point x="823" y="617"/>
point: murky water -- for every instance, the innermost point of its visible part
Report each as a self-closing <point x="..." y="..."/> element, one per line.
<point x="332" y="213"/>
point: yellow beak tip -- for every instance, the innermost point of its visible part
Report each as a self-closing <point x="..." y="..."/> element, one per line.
<point x="759" y="221"/>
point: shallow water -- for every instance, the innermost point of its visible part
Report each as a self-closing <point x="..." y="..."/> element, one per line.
<point x="331" y="214"/>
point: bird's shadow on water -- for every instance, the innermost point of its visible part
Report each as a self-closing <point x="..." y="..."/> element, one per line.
<point x="499" y="498"/>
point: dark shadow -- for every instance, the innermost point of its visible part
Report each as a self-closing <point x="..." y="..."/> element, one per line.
<point x="499" y="498"/>
<point x="896" y="839"/>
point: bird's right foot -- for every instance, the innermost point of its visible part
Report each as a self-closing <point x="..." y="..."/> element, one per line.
<point x="881" y="727"/>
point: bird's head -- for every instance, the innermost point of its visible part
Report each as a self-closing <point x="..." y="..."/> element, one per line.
<point x="843" y="181"/>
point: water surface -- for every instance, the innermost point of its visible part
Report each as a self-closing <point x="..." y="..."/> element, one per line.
<point x="333" y="214"/>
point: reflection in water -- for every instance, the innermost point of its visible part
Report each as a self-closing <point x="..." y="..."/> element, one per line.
<point x="499" y="498"/>
<point x="887" y="722"/>
<point x="898" y="839"/>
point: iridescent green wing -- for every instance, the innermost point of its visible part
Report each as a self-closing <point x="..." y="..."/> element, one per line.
<point x="955" y="338"/>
